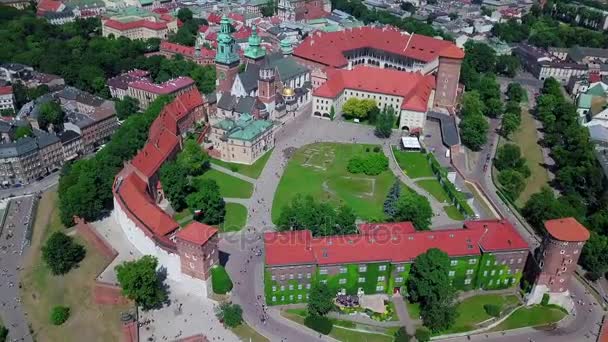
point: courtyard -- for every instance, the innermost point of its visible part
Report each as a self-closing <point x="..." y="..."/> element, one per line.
<point x="319" y="170"/>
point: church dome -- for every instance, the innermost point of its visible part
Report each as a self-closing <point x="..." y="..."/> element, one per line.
<point x="287" y="91"/>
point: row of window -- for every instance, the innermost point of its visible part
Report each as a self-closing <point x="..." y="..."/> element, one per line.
<point x="291" y="297"/>
<point x="290" y="287"/>
<point x="500" y="272"/>
<point x="291" y="276"/>
<point x="504" y="262"/>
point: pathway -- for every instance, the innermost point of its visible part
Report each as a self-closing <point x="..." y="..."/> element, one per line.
<point x="404" y="315"/>
<point x="232" y="173"/>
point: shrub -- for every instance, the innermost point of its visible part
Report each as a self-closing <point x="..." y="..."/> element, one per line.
<point x="220" y="280"/>
<point x="230" y="314"/>
<point x="61" y="253"/>
<point x="60" y="314"/>
<point x="492" y="309"/>
<point x="376" y="149"/>
<point x="234" y="168"/>
<point x="319" y="324"/>
<point x="371" y="164"/>
<point x="423" y="334"/>
<point x="545" y="300"/>
<point x="401" y="335"/>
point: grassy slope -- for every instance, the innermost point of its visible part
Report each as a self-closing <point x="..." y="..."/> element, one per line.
<point x="229" y="186"/>
<point x="471" y="311"/>
<point x="531" y="317"/>
<point x="434" y="188"/>
<point x="254" y="170"/>
<point x="41" y="290"/>
<point x="414" y="164"/>
<point x="299" y="179"/>
<point x="236" y="217"/>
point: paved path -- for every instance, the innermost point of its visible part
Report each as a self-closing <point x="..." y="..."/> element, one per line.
<point x="233" y="174"/>
<point x="404" y="315"/>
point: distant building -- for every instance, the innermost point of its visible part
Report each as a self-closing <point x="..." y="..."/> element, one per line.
<point x="12" y="72"/>
<point x="300" y="10"/>
<point x="242" y="140"/>
<point x="119" y="85"/>
<point x="18" y="4"/>
<point x="199" y="55"/>
<point x="136" y="23"/>
<point x="146" y="91"/>
<point x="7" y="99"/>
<point x="71" y="144"/>
<point x="543" y="64"/>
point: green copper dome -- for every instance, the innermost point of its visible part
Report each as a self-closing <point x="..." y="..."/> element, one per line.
<point x="254" y="49"/>
<point x="226" y="46"/>
<point x="286" y="47"/>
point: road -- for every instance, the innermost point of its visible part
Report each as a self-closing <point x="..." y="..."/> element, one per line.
<point x="12" y="245"/>
<point x="32" y="188"/>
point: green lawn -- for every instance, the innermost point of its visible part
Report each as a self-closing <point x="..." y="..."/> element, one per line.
<point x="525" y="137"/>
<point x="453" y="213"/>
<point x="434" y="188"/>
<point x="531" y="317"/>
<point x="236" y="217"/>
<point x="319" y="170"/>
<point x="182" y="215"/>
<point x="471" y="311"/>
<point x="413" y="309"/>
<point x="229" y="186"/>
<point x="254" y="170"/>
<point x="414" y="164"/>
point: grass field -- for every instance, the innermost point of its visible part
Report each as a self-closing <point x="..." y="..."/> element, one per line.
<point x="229" y="186"/>
<point x="319" y="170"/>
<point x="414" y="164"/>
<point x="41" y="290"/>
<point x="235" y="219"/>
<point x="246" y="333"/>
<point x="534" y="316"/>
<point x="413" y="309"/>
<point x="453" y="213"/>
<point x="254" y="170"/>
<point x="471" y="311"/>
<point x="525" y="137"/>
<point x="434" y="188"/>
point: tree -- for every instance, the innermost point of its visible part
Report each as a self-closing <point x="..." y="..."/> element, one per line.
<point x="141" y="282"/>
<point x="515" y="92"/>
<point x="493" y="108"/>
<point x="512" y="182"/>
<point x="320" y="300"/>
<point x="61" y="253"/>
<point x="358" y="109"/>
<point x="345" y="219"/>
<point x="207" y="203"/>
<point x="175" y="183"/>
<point x="543" y="206"/>
<point x="401" y="335"/>
<point x="269" y="8"/>
<point x="508" y="157"/>
<point x="321" y="218"/>
<point x="7" y="112"/>
<point x="507" y="65"/>
<point x="230" y="314"/>
<point x="384" y="123"/>
<point x="60" y="314"/>
<point x="390" y="203"/>
<point x="473" y="131"/>
<point x="429" y="285"/>
<point x="22" y="132"/>
<point x="479" y="55"/>
<point x="332" y="113"/>
<point x="510" y="123"/>
<point x="193" y="159"/>
<point x="594" y="257"/>
<point x="415" y="208"/>
<point x="423" y="334"/>
<point x="184" y="14"/>
<point x="472" y="104"/>
<point x="51" y="113"/>
<point x="126" y="107"/>
<point x="3" y="333"/>
<point x="453" y="15"/>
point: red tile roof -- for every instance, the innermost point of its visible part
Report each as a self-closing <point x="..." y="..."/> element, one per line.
<point x="313" y="11"/>
<point x="197" y="233"/>
<point x="414" y="87"/>
<point x="328" y="48"/>
<point x="203" y="28"/>
<point x="567" y="229"/>
<point x="237" y="17"/>
<point x="398" y="244"/>
<point x="214" y="18"/>
<point x="165" y="88"/>
<point x="211" y="36"/>
<point x="123" y="26"/>
<point x="48" y="6"/>
<point x="149" y="160"/>
<point x="186" y="50"/>
<point x="6" y="90"/>
<point x="135" y="197"/>
<point x="243" y="33"/>
<point x="386" y="228"/>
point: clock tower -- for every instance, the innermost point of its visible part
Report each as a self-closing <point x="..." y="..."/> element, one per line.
<point x="226" y="59"/>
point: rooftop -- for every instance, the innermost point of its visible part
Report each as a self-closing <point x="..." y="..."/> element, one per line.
<point x="567" y="229"/>
<point x="246" y="127"/>
<point x="196" y="233"/>
<point x="165" y="88"/>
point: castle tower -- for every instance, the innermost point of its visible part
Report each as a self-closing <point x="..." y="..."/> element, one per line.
<point x="197" y="249"/>
<point x="556" y="260"/>
<point x="254" y="52"/>
<point x="448" y="74"/>
<point x="226" y="59"/>
<point x="267" y="88"/>
<point x="286" y="47"/>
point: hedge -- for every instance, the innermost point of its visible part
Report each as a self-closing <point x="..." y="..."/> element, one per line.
<point x="220" y="280"/>
<point x="319" y="324"/>
<point x="455" y="196"/>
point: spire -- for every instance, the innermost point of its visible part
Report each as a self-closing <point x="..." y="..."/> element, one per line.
<point x="254" y="50"/>
<point x="286" y="48"/>
<point x="226" y="46"/>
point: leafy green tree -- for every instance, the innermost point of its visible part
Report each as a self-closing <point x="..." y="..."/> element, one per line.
<point x="594" y="256"/>
<point x="543" y="206"/>
<point x="269" y="8"/>
<point x="355" y="108"/>
<point x="61" y="253"/>
<point x="473" y="131"/>
<point x="51" y="113"/>
<point x="332" y="113"/>
<point x="510" y="123"/>
<point x="193" y="159"/>
<point x="126" y="107"/>
<point x="512" y="182"/>
<point x="423" y="334"/>
<point x="321" y="218"/>
<point x="207" y="203"/>
<point x="384" y="123"/>
<point x="415" y="208"/>
<point x="508" y="157"/>
<point x="3" y="333"/>
<point x="23" y="131"/>
<point x="493" y="108"/>
<point x="184" y="14"/>
<point x="429" y="285"/>
<point x="472" y="104"/>
<point x="141" y="282"/>
<point x="480" y="56"/>
<point x="230" y="314"/>
<point x="320" y="300"/>
<point x="515" y="92"/>
<point x="507" y="65"/>
<point x="176" y="185"/>
<point x="60" y="314"/>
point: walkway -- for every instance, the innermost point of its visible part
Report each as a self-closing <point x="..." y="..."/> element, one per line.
<point x="232" y="173"/>
<point x="404" y="315"/>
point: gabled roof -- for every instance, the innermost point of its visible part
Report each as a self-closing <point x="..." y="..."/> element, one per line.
<point x="6" y="90"/>
<point x="124" y="26"/>
<point x="414" y="87"/>
<point x="48" y="6"/>
<point x="196" y="233"/>
<point x="329" y="48"/>
<point x="165" y="88"/>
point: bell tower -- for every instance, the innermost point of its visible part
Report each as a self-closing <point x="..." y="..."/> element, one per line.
<point x="267" y="89"/>
<point x="226" y="59"/>
<point x="254" y="51"/>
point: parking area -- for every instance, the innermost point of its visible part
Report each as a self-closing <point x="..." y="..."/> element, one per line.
<point x="432" y="141"/>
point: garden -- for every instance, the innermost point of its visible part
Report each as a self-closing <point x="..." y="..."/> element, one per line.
<point x="325" y="167"/>
<point x="475" y="310"/>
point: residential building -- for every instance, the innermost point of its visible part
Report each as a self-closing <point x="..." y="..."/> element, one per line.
<point x="137" y="23"/>
<point x="242" y="140"/>
<point x="18" y="4"/>
<point x="410" y="94"/>
<point x="543" y="64"/>
<point x="146" y="91"/>
<point x="12" y="72"/>
<point x="7" y="99"/>
<point x="301" y="10"/>
<point x="119" y="85"/>
<point x="199" y="55"/>
<point x="485" y="254"/>
<point x="71" y="145"/>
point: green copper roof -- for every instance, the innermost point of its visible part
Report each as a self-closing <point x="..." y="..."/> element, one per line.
<point x="596" y="90"/>
<point x="226" y="46"/>
<point x="254" y="49"/>
<point x="246" y="127"/>
<point x="286" y="48"/>
<point x="584" y="101"/>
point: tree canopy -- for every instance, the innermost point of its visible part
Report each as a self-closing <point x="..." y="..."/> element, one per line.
<point x="207" y="203"/>
<point x="415" y="208"/>
<point x="321" y="218"/>
<point x="230" y="314"/>
<point x="61" y="253"/>
<point x="51" y="114"/>
<point x="320" y="300"/>
<point x="126" y="107"/>
<point x="141" y="282"/>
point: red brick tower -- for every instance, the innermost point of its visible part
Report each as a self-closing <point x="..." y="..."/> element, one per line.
<point x="557" y="258"/>
<point x="267" y="90"/>
<point x="448" y="74"/>
<point x="197" y="249"/>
